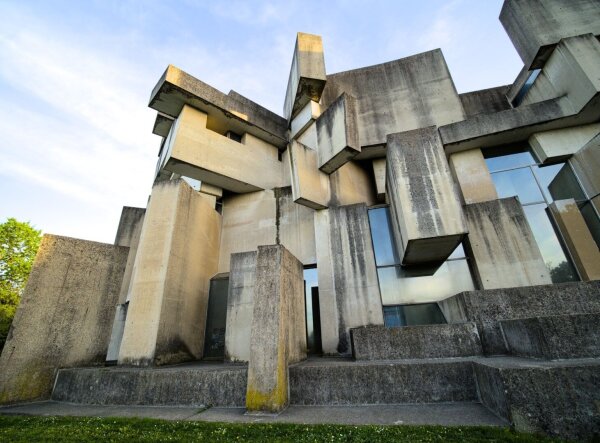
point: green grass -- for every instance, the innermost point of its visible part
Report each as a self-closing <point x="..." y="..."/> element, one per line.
<point x="83" y="429"/>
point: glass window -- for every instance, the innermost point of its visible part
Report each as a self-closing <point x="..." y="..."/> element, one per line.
<point x="559" y="182"/>
<point x="592" y="220"/>
<point x="412" y="315"/>
<point x="519" y="182"/>
<point x="310" y="281"/>
<point x="214" y="343"/>
<point x="381" y="234"/>
<point x="498" y="159"/>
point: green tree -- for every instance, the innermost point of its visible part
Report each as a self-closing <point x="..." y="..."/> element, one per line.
<point x="19" y="243"/>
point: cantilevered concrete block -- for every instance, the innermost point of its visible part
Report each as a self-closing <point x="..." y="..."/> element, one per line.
<point x="177" y="256"/>
<point x="310" y="186"/>
<point x="295" y="226"/>
<point x="337" y="134"/>
<point x="194" y="151"/>
<point x="65" y="315"/>
<point x="304" y="119"/>
<point x="307" y="74"/>
<point x="278" y="328"/>
<point x="503" y="247"/>
<point x="473" y="176"/>
<point x="560" y="144"/>
<point x="426" y="213"/>
<point x="348" y="287"/>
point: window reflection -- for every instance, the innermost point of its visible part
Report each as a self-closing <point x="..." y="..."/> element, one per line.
<point x="519" y="182"/>
<point x="310" y="281"/>
<point x="385" y="252"/>
<point x="409" y="315"/>
<point x="498" y="159"/>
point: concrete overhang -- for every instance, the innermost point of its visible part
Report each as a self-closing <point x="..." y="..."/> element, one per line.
<point x="232" y="111"/>
<point x="162" y="124"/>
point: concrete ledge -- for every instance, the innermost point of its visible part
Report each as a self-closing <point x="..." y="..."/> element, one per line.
<point x="561" y="336"/>
<point x="428" y="341"/>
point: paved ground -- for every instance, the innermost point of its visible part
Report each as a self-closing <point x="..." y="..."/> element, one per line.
<point x="448" y="414"/>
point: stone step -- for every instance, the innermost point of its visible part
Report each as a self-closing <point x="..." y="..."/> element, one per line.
<point x="553" y="337"/>
<point x="412" y="342"/>
<point x="346" y="382"/>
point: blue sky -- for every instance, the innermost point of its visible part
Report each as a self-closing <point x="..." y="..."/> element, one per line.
<point x="75" y="78"/>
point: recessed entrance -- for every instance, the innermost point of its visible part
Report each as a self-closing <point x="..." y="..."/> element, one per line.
<point x="313" y="313"/>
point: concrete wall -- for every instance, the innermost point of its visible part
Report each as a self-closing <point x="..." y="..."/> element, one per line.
<point x="425" y="209"/>
<point x="472" y="176"/>
<point x="177" y="256"/>
<point x="485" y="101"/>
<point x="295" y="227"/>
<point x="65" y="315"/>
<point x="348" y="286"/>
<point x="504" y="251"/>
<point x="560" y="144"/>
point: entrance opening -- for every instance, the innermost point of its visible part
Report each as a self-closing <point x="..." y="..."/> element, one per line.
<point x="216" y="316"/>
<point x="313" y="313"/>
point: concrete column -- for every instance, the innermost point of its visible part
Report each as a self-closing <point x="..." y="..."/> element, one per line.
<point x="379" y="173"/>
<point x="278" y="328"/>
<point x="578" y="238"/>
<point x="473" y="176"/>
<point x="177" y="255"/>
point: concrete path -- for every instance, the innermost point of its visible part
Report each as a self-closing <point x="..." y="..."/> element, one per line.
<point x="447" y="414"/>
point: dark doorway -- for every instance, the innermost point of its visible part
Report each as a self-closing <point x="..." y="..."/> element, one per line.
<point x="216" y="316"/>
<point x="313" y="312"/>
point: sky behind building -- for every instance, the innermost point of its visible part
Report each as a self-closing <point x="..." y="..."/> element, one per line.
<point x="76" y="140"/>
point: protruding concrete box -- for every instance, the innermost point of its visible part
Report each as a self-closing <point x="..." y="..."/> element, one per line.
<point x="473" y="176"/>
<point x="307" y="74"/>
<point x="278" y="328"/>
<point x="310" y="187"/>
<point x="560" y="144"/>
<point x="502" y="245"/>
<point x="586" y="163"/>
<point x="426" y="213"/>
<point x="304" y="119"/>
<point x="379" y="167"/>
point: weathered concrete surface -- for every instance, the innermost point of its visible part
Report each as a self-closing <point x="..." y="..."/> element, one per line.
<point x="535" y="27"/>
<point x="305" y="118"/>
<point x="473" y="176"/>
<point x="162" y="124"/>
<point x="409" y="342"/>
<point x="559" y="144"/>
<point x="348" y="286"/>
<point x="189" y="385"/>
<point x="379" y="166"/>
<point x="307" y="74"/>
<point x="295" y="227"/>
<point x="339" y="382"/>
<point x="65" y="315"/>
<point x="488" y="308"/>
<point x="240" y="305"/>
<point x="554" y="337"/>
<point x="502" y="245"/>
<point x="278" y="334"/>
<point x="194" y="150"/>
<point x="177" y="256"/>
<point x="556" y="398"/>
<point x="209" y="189"/>
<point x="410" y="93"/>
<point x="485" y="101"/>
<point x="578" y="239"/>
<point x="337" y="134"/>
<point x="232" y="111"/>
<point x="425" y="209"/>
<point x="586" y="164"/>
<point x="310" y="186"/>
<point x="352" y="184"/>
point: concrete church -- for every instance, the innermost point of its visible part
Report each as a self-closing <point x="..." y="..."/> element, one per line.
<point x="387" y="240"/>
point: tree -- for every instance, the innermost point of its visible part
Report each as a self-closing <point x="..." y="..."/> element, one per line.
<point x="19" y="243"/>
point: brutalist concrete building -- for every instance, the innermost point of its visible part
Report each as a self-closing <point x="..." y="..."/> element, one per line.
<point x="387" y="240"/>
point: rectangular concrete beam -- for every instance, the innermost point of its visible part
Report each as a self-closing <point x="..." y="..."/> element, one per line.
<point x="310" y="186"/>
<point x="304" y="119"/>
<point x="560" y="144"/>
<point x="473" y="176"/>
<point x="426" y="213"/>
<point x="307" y="74"/>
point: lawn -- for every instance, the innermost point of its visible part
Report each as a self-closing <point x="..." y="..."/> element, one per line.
<point x="84" y="429"/>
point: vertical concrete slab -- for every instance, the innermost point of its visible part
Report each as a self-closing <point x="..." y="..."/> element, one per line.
<point x="559" y="144"/>
<point x="578" y="238"/>
<point x="348" y="286"/>
<point x="304" y="119"/>
<point x="177" y="255"/>
<point x="295" y="227"/>
<point x="426" y="213"/>
<point x="504" y="251"/>
<point x="473" y="176"/>
<point x="65" y="315"/>
<point x="278" y="319"/>
<point x="310" y="187"/>
<point x="379" y="166"/>
<point x="240" y="305"/>
<point x="586" y="164"/>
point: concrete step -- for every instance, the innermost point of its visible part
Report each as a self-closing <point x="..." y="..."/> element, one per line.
<point x="197" y="384"/>
<point x="554" y="337"/>
<point x="346" y="382"/>
<point x="559" y="398"/>
<point x="412" y="342"/>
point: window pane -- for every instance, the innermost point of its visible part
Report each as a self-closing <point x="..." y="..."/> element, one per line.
<point x="560" y="268"/>
<point x="592" y="221"/>
<point x="459" y="252"/>
<point x="399" y="285"/>
<point x="519" y="182"/>
<point x="381" y="234"/>
<point x="412" y="315"/>
<point x="561" y="185"/>
<point x="310" y="281"/>
<point x="506" y="158"/>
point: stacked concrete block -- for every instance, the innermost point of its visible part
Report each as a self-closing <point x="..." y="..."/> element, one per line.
<point x="560" y="144"/>
<point x="310" y="186"/>
<point x="304" y="119"/>
<point x="586" y="164"/>
<point x="472" y="176"/>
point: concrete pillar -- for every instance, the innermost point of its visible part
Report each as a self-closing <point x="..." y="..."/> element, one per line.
<point x="578" y="238"/>
<point x="177" y="256"/>
<point x="379" y="165"/>
<point x="473" y="176"/>
<point x="503" y="248"/>
<point x="278" y="328"/>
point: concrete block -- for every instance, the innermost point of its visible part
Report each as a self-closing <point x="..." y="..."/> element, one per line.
<point x="304" y="119"/>
<point x="352" y="184"/>
<point x="195" y="151"/>
<point x="425" y="209"/>
<point x="535" y="27"/>
<point x="310" y="187"/>
<point x="209" y="189"/>
<point x="503" y="248"/>
<point x="65" y="315"/>
<point x="379" y="166"/>
<point x="307" y="74"/>
<point x="162" y="124"/>
<point x="554" y="337"/>
<point x="348" y="286"/>
<point x="578" y="239"/>
<point x="295" y="227"/>
<point x="240" y="305"/>
<point x="586" y="164"/>
<point x="560" y="144"/>
<point x="485" y="101"/>
<point x="278" y="328"/>
<point x="177" y="256"/>
<point x="411" y="342"/>
<point x="337" y="134"/>
<point x="473" y="176"/>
